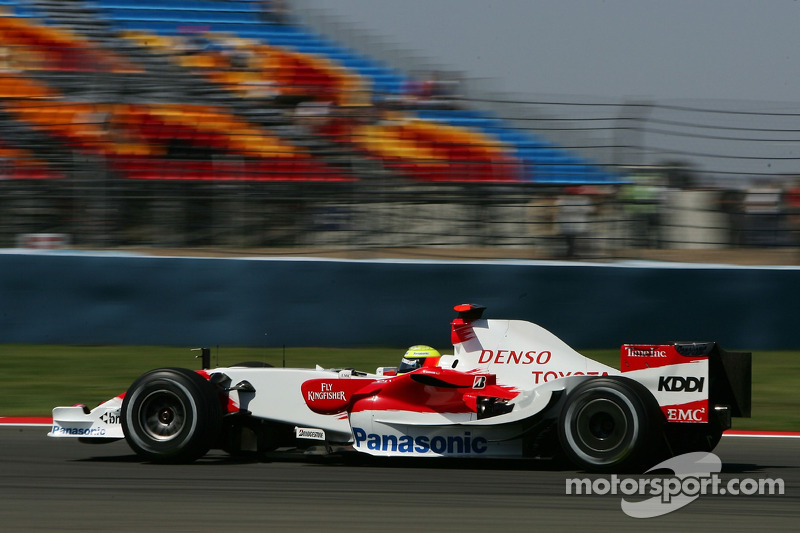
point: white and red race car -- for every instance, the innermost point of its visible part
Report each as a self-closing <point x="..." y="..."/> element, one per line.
<point x="510" y="389"/>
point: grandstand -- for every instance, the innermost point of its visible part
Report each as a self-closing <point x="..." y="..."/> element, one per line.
<point x="135" y="41"/>
<point x="218" y="91"/>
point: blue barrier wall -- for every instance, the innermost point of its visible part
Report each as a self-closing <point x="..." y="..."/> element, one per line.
<point x="75" y="299"/>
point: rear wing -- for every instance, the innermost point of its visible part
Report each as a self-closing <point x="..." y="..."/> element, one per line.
<point x="731" y="380"/>
<point x="691" y="379"/>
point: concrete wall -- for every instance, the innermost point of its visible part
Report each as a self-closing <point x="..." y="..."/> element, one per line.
<point x="75" y="299"/>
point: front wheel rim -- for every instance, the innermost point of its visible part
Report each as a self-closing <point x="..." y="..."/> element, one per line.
<point x="162" y="415"/>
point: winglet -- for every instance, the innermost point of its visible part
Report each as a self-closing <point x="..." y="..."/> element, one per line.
<point x="469" y="311"/>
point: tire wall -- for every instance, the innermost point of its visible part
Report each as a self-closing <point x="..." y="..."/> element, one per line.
<point x="72" y="299"/>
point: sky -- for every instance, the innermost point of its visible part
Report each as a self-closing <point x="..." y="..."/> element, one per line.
<point x="617" y="49"/>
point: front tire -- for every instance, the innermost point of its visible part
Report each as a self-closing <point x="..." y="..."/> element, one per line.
<point x="171" y="415"/>
<point x="605" y="425"/>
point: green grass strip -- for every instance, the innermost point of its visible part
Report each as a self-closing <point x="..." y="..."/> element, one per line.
<point x="40" y="377"/>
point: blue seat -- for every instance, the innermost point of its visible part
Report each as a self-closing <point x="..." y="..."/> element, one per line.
<point x="187" y="5"/>
<point x="152" y="26"/>
<point x="182" y="15"/>
<point x="17" y="8"/>
<point x="353" y="61"/>
<point x="384" y="83"/>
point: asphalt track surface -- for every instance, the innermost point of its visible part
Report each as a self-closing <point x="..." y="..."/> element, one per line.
<point x="63" y="485"/>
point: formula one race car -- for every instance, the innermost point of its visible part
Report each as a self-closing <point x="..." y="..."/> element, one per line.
<point x="510" y="389"/>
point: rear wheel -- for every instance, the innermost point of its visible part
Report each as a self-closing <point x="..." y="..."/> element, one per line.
<point x="171" y="415"/>
<point x="605" y="425"/>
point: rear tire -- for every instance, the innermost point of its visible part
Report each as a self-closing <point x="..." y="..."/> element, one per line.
<point x="605" y="425"/>
<point x="171" y="415"/>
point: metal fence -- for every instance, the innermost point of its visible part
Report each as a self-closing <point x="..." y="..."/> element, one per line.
<point x="372" y="219"/>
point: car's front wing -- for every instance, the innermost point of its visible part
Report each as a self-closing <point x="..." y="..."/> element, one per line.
<point x="102" y="422"/>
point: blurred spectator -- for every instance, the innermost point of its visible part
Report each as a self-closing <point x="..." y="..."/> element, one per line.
<point x="432" y="92"/>
<point x="642" y="203"/>
<point x="312" y="115"/>
<point x="762" y="214"/>
<point x="194" y="40"/>
<point x="792" y="202"/>
<point x="573" y="216"/>
<point x="5" y="59"/>
<point x="275" y="12"/>
<point x="730" y="204"/>
<point x="260" y="88"/>
<point x="442" y="92"/>
<point x="411" y="90"/>
<point x="239" y="57"/>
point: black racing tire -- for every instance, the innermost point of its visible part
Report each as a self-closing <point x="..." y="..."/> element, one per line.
<point x="171" y="415"/>
<point x="606" y="425"/>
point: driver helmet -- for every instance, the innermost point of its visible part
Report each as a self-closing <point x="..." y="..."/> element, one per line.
<point x="418" y="356"/>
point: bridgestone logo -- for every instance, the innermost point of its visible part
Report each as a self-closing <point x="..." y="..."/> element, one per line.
<point x="309" y="433"/>
<point x="326" y="395"/>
